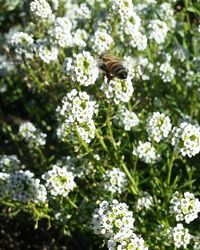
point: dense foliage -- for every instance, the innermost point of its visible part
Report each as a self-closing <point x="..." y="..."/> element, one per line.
<point x="112" y="164"/>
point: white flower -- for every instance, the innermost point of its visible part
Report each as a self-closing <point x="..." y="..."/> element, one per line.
<point x="139" y="68"/>
<point x="83" y="12"/>
<point x="158" y="30"/>
<point x="115" y="181"/>
<point x="32" y="135"/>
<point x="132" y="242"/>
<point x="146" y="152"/>
<point x="60" y="33"/>
<point x="158" y="126"/>
<point x="46" y="52"/>
<point x="126" y="118"/>
<point x="184" y="206"/>
<point x="118" y="90"/>
<point x="145" y="202"/>
<point x="186" y="139"/>
<point x="82" y="68"/>
<point x="166" y="13"/>
<point x="181" y="236"/>
<point x="80" y="37"/>
<point x="4" y="177"/>
<point x="41" y="9"/>
<point x="101" y="41"/>
<point x="9" y="163"/>
<point x="23" y="44"/>
<point x="59" y="181"/>
<point x="138" y="40"/>
<point x="123" y="7"/>
<point x="167" y="72"/>
<point x="112" y="220"/>
<point x="23" y="187"/>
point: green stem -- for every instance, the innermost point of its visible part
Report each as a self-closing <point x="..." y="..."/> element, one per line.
<point x="170" y="166"/>
<point x="109" y="127"/>
<point x="134" y="188"/>
<point x="101" y="140"/>
<point x="71" y="202"/>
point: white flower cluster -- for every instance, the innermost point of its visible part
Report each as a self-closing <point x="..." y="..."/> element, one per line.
<point x="101" y="41"/>
<point x="83" y="12"/>
<point x="117" y="90"/>
<point x="59" y="181"/>
<point x="186" y="139"/>
<point x="167" y="72"/>
<point x="77" y="111"/>
<point x="82" y="68"/>
<point x="23" y="44"/>
<point x="114" y="222"/>
<point x="41" y="9"/>
<point x="139" y="68"/>
<point x="184" y="206"/>
<point x="4" y="177"/>
<point x="138" y="40"/>
<point x="126" y="119"/>
<point x="60" y="33"/>
<point x="80" y="38"/>
<point x="9" y="163"/>
<point x="146" y="152"/>
<point x="158" y="30"/>
<point x="166" y="12"/>
<point x="112" y="219"/>
<point x="31" y="134"/>
<point x="46" y="52"/>
<point x="144" y="203"/>
<point x="132" y="243"/>
<point x="123" y="7"/>
<point x="115" y="181"/>
<point x="181" y="236"/>
<point x="23" y="187"/>
<point x="158" y="126"/>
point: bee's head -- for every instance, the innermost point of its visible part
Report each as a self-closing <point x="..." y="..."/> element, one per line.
<point x="122" y="74"/>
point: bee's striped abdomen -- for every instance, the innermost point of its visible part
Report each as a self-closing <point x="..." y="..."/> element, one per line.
<point x="117" y="69"/>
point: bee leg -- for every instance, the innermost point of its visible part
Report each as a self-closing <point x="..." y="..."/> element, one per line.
<point x="109" y="77"/>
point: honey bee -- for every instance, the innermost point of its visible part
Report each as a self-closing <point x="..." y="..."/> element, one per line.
<point x="112" y="67"/>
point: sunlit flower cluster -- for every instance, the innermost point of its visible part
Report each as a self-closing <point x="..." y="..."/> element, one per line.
<point x="59" y="181"/>
<point x="112" y="219"/>
<point x="60" y="33"/>
<point x="186" y="139"/>
<point x="145" y="202"/>
<point x="158" y="30"/>
<point x="167" y="72"/>
<point x="126" y="119"/>
<point x="80" y="37"/>
<point x="181" y="236"/>
<point x="83" y="11"/>
<point x="76" y="115"/>
<point x="23" y="44"/>
<point x="119" y="91"/>
<point x="166" y="12"/>
<point x="134" y="242"/>
<point x="101" y="41"/>
<point x="9" y="163"/>
<point x="158" y="126"/>
<point x="139" y="68"/>
<point x="41" y="9"/>
<point x="184" y="206"/>
<point x="46" y="52"/>
<point x="82" y="68"/>
<point x="146" y="152"/>
<point x="23" y="187"/>
<point x="123" y="7"/>
<point x="115" y="181"/>
<point x="31" y="134"/>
